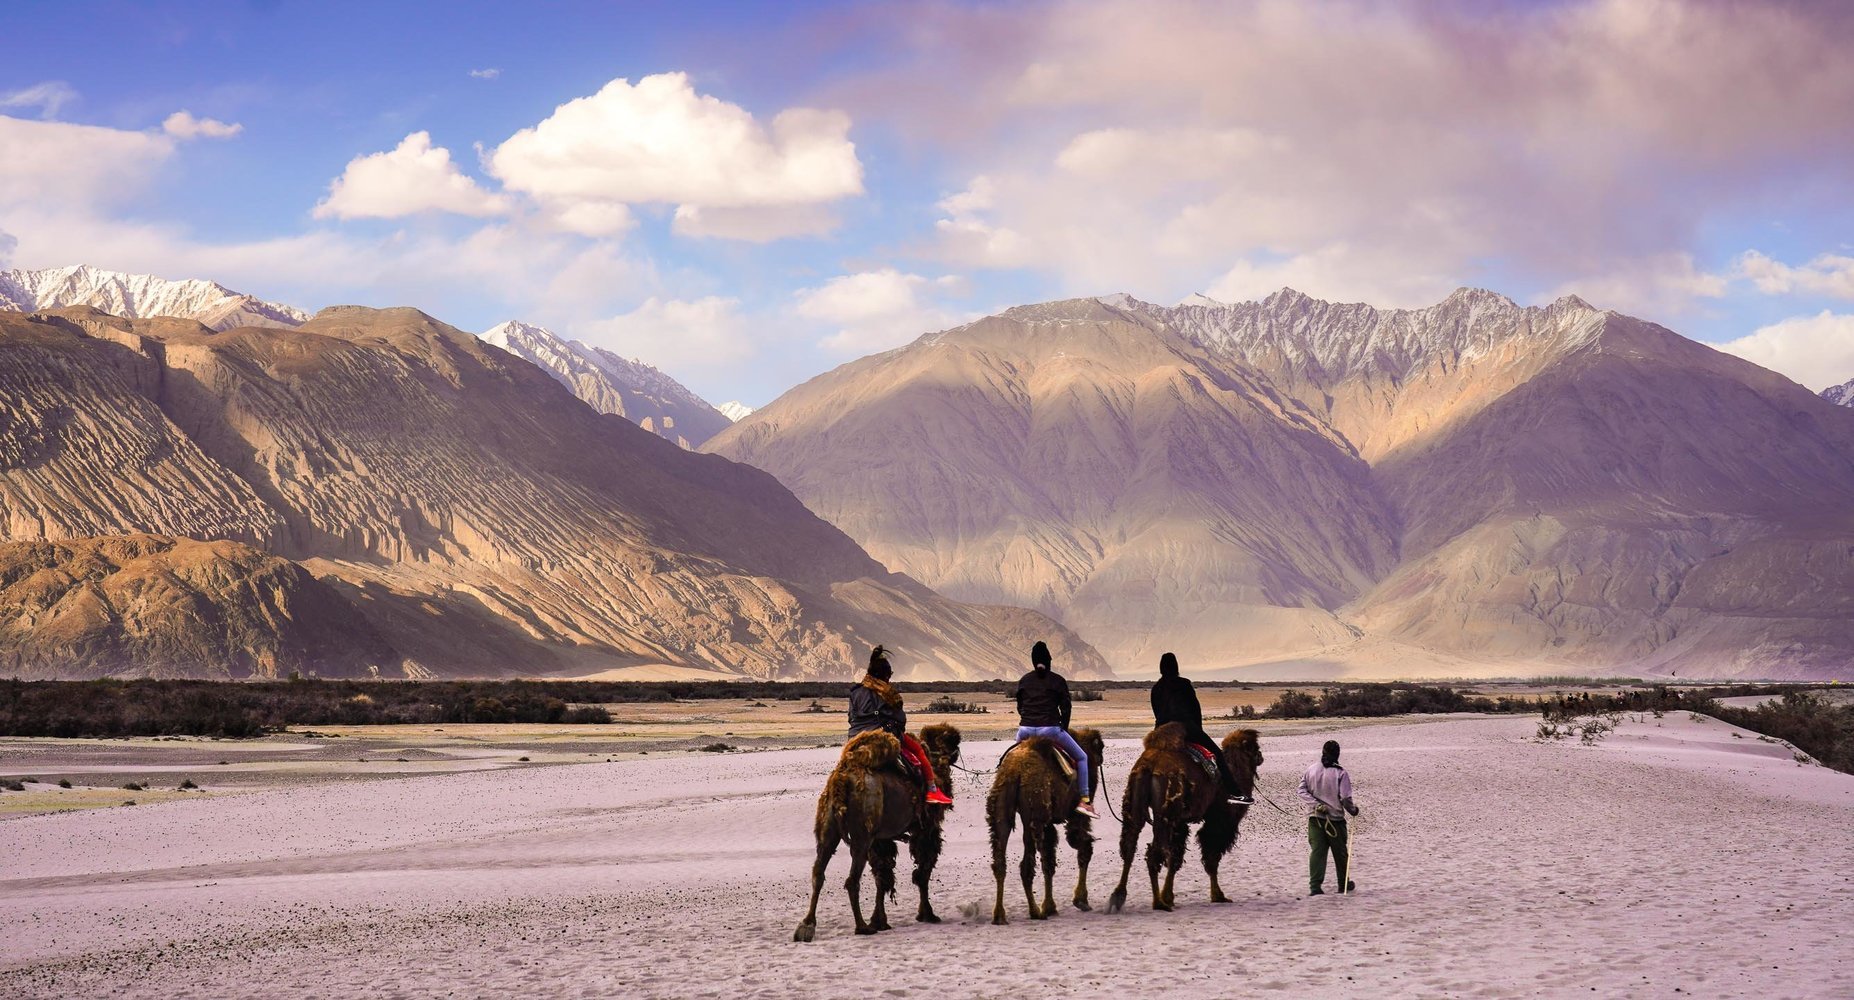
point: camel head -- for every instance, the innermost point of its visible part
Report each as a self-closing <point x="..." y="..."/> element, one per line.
<point x="942" y="743"/>
<point x="1242" y="749"/>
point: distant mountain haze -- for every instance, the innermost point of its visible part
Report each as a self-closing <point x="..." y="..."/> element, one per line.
<point x="457" y="506"/>
<point x="1381" y="491"/>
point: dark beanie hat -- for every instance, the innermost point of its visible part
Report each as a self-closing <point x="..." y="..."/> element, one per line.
<point x="1039" y="654"/>
<point x="1329" y="754"/>
<point x="1168" y="665"/>
<point x="878" y="664"/>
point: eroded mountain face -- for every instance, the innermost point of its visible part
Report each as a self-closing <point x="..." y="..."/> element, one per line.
<point x="481" y="518"/>
<point x="1840" y="395"/>
<point x="1553" y="487"/>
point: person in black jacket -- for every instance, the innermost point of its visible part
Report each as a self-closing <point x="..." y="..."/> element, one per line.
<point x="1043" y="710"/>
<point x="876" y="704"/>
<point x="1175" y="700"/>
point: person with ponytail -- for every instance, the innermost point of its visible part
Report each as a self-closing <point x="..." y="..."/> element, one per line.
<point x="876" y="704"/>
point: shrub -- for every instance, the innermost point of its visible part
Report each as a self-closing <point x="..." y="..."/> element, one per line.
<point x="1294" y="705"/>
<point x="717" y="748"/>
<point x="134" y="786"/>
<point x="946" y="703"/>
<point x="188" y="785"/>
<point x="64" y="782"/>
<point x="13" y="786"/>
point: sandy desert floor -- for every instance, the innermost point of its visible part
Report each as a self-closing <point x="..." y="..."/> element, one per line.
<point x="1678" y="857"/>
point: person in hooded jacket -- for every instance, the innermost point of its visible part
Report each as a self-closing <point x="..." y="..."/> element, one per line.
<point x="876" y="704"/>
<point x="1175" y="700"/>
<point x="1043" y="707"/>
<point x="1327" y="790"/>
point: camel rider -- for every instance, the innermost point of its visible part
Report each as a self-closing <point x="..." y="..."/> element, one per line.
<point x="1175" y="700"/>
<point x="875" y="704"/>
<point x="1043" y="710"/>
<point x="1327" y="790"/>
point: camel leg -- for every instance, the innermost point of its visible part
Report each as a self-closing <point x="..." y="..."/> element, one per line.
<point x="882" y="860"/>
<point x="1174" y="858"/>
<point x="1155" y="859"/>
<point x="859" y="856"/>
<point x="808" y="927"/>
<point x="1048" y="845"/>
<point x="1082" y="840"/>
<point x="1130" y="826"/>
<point x="1212" y="860"/>
<point x="925" y="849"/>
<point x="1027" y="869"/>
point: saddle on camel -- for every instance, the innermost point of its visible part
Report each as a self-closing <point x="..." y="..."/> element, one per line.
<point x="1170" y="789"/>
<point x="870" y="802"/>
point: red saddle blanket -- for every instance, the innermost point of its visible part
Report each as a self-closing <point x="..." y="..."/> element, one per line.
<point x="1205" y="759"/>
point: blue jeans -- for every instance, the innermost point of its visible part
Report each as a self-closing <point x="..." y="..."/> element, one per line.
<point x="1062" y="738"/>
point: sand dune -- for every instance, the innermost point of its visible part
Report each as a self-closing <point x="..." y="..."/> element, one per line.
<point x="1676" y="855"/>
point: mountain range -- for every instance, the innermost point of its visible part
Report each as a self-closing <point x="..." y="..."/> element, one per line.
<point x="1840" y="395"/>
<point x="1293" y="486"/>
<point x="374" y="491"/>
<point x="607" y="381"/>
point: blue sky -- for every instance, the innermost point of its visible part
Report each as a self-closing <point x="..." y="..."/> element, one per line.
<point x="747" y="194"/>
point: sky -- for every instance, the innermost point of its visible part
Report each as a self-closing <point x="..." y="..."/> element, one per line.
<point x="748" y="194"/>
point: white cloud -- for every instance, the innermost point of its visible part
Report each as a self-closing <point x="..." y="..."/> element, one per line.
<point x="1817" y="351"/>
<point x="182" y="125"/>
<point x="49" y="97"/>
<point x="875" y="310"/>
<point x="487" y="73"/>
<point x="1159" y="144"/>
<point x="1828" y="274"/>
<point x="1340" y="273"/>
<point x="413" y="177"/>
<point x="1656" y="286"/>
<point x="754" y="223"/>
<point x="49" y="166"/>
<point x="674" y="334"/>
<point x="660" y="142"/>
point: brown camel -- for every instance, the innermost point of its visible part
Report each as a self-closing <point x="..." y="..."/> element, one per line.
<point x="869" y="805"/>
<point x="1033" y="785"/>
<point x="1170" y="789"/>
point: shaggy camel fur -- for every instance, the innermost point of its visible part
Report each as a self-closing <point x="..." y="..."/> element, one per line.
<point x="869" y="805"/>
<point x="1170" y="789"/>
<point x="1032" y="785"/>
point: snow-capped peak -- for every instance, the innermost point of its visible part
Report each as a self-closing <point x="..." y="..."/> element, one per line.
<point x="1840" y="395"/>
<point x="141" y="295"/>
<point x="735" y="410"/>
<point x="1200" y="299"/>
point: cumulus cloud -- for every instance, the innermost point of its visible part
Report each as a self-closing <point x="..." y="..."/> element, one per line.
<point x="1817" y="351"/>
<point x="49" y="166"/>
<point x="48" y="97"/>
<point x="413" y="177"/>
<point x="876" y="310"/>
<point x="182" y="125"/>
<point x="753" y="223"/>
<point x="1173" y="144"/>
<point x="1829" y="274"/>
<point x="660" y="142"/>
<point x="675" y="334"/>
<point x="487" y="73"/>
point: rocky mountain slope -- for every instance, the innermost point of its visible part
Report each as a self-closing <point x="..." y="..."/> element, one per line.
<point x="1840" y="395"/>
<point x="613" y="384"/>
<point x="478" y="517"/>
<point x="140" y="296"/>
<point x="1555" y="488"/>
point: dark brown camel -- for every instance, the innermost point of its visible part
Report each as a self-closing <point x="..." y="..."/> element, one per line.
<point x="1033" y="785"/>
<point x="869" y="805"/>
<point x="1170" y="789"/>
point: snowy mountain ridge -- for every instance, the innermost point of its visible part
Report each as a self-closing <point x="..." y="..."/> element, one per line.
<point x="137" y="296"/>
<point x="735" y="410"/>
<point x="1840" y="395"/>
<point x="611" y="383"/>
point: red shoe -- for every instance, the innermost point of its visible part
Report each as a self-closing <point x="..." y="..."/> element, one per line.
<point x="936" y="797"/>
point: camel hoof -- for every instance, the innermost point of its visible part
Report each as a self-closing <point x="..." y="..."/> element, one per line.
<point x="866" y="929"/>
<point x="998" y="919"/>
<point x="805" y="932"/>
<point x="1116" y="901"/>
<point x="1218" y="897"/>
<point x="1162" y="905"/>
<point x="927" y="917"/>
<point x="1082" y="905"/>
<point x="1049" y="910"/>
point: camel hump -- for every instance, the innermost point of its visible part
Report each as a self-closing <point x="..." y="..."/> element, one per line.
<point x="1170" y="736"/>
<point x="870" y="751"/>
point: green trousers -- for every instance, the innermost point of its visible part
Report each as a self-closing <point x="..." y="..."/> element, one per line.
<point x="1327" y="835"/>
